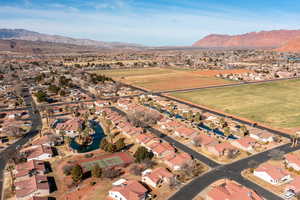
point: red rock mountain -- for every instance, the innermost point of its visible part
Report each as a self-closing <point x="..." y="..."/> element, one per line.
<point x="271" y="39"/>
<point x="291" y="46"/>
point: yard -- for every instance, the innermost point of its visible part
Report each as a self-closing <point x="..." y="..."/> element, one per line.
<point x="162" y="79"/>
<point x="276" y="104"/>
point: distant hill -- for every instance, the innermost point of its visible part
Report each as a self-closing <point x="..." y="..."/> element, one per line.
<point x="38" y="47"/>
<point x="22" y="34"/>
<point x="292" y="45"/>
<point x="263" y="39"/>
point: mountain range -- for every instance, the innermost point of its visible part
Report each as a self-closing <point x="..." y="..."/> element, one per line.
<point x="26" y="35"/>
<point x="281" y="40"/>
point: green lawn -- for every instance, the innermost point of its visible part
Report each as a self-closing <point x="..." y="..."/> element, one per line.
<point x="276" y="104"/>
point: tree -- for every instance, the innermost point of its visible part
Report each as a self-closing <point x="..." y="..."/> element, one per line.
<point x="111" y="173"/>
<point x="190" y="115"/>
<point x="104" y="144"/>
<point x="41" y="96"/>
<point x="77" y="173"/>
<point x="136" y="169"/>
<point x="96" y="171"/>
<point x="111" y="148"/>
<point x="222" y="122"/>
<point x="227" y="132"/>
<point x="197" y="117"/>
<point x="244" y="130"/>
<point x="142" y="154"/>
<point x="120" y="144"/>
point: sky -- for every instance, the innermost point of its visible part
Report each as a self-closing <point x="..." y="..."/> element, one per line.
<point x="149" y="22"/>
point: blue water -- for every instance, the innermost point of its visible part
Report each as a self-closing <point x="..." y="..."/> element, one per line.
<point x="201" y="126"/>
<point x="97" y="137"/>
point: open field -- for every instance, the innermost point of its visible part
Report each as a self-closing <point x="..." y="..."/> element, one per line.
<point x="107" y="62"/>
<point x="161" y="79"/>
<point x="276" y="104"/>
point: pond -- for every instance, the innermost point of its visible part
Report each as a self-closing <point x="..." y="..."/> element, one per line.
<point x="97" y="137"/>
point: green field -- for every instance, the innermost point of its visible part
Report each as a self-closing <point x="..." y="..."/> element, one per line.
<point x="276" y="104"/>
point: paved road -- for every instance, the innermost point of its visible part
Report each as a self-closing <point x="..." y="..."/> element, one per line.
<point x="177" y="144"/>
<point x="230" y="171"/>
<point x="5" y="155"/>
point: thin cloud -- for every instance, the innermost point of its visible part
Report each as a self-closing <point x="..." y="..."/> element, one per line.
<point x="131" y="21"/>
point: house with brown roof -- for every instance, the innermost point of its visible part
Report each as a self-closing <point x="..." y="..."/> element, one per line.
<point x="161" y="149"/>
<point x="203" y="140"/>
<point x="294" y="185"/>
<point x="37" y="152"/>
<point x="185" y="132"/>
<point x="156" y="177"/>
<point x="292" y="160"/>
<point x="70" y="127"/>
<point x="231" y="190"/>
<point x="24" y="170"/>
<point x="222" y="149"/>
<point x="37" y="185"/>
<point x="175" y="161"/>
<point x="261" y="136"/>
<point x="129" y="190"/>
<point x="272" y="174"/>
<point x="245" y="144"/>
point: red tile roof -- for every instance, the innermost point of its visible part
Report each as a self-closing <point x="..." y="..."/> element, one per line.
<point x="232" y="191"/>
<point x="26" y="187"/>
<point x="131" y="190"/>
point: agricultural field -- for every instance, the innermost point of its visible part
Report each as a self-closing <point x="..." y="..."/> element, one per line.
<point x="107" y="62"/>
<point x="162" y="79"/>
<point x="275" y="104"/>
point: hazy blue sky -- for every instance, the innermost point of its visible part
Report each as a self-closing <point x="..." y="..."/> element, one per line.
<point x="149" y="22"/>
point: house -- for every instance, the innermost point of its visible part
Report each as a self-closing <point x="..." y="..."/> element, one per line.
<point x="101" y="103"/>
<point x="38" y="152"/>
<point x="161" y="149"/>
<point x="39" y="198"/>
<point x="130" y="131"/>
<point x="185" y="132"/>
<point x="29" y="168"/>
<point x="144" y="139"/>
<point x="124" y="103"/>
<point x="36" y="185"/>
<point x="292" y="160"/>
<point x="49" y="140"/>
<point x="176" y="161"/>
<point x="222" y="149"/>
<point x="272" y="174"/>
<point x="156" y="177"/>
<point x="129" y="190"/>
<point x="231" y="190"/>
<point x="203" y="140"/>
<point x="170" y="125"/>
<point x="70" y="127"/>
<point x="294" y="185"/>
<point x="245" y="144"/>
<point x="261" y="136"/>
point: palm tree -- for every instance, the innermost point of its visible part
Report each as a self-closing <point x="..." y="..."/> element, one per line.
<point x="108" y="130"/>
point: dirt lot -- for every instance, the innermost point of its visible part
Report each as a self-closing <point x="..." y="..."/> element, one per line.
<point x="162" y="79"/>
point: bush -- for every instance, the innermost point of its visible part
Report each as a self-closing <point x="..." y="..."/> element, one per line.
<point x="67" y="169"/>
<point x="89" y="155"/>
